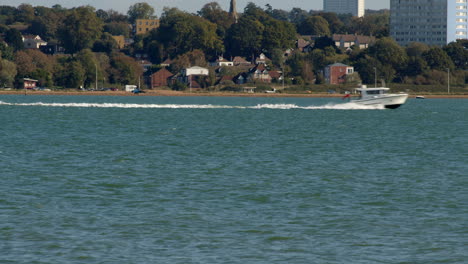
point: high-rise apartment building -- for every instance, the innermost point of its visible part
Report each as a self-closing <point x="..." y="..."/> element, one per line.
<point x="354" y="7"/>
<point x="434" y="22"/>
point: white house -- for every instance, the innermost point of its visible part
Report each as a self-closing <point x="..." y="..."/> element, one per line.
<point x="221" y="62"/>
<point x="195" y="70"/>
<point x="33" y="42"/>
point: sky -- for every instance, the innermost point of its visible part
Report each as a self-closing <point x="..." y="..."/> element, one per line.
<point x="187" y="5"/>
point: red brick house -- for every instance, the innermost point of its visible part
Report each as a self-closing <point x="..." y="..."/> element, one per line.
<point x="160" y="78"/>
<point x="336" y="73"/>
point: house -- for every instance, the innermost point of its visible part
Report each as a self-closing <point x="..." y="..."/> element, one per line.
<point x="195" y="70"/>
<point x="241" y="78"/>
<point x="239" y="61"/>
<point x="33" y="42"/>
<point x="262" y="59"/>
<point x="161" y="78"/>
<point x="145" y="65"/>
<point x="143" y="26"/>
<point x="166" y="63"/>
<point x="225" y="79"/>
<point x="260" y="73"/>
<point x="276" y="75"/>
<point x="187" y="75"/>
<point x="336" y="73"/>
<point x="221" y="62"/>
<point x="29" y="83"/>
<point x="347" y="41"/>
<point x="52" y="48"/>
<point x="301" y="44"/>
<point x="120" y="40"/>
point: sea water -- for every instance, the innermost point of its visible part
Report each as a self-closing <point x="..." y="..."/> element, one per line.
<point x="87" y="179"/>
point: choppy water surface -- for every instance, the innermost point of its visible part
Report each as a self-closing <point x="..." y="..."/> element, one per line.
<point x="231" y="180"/>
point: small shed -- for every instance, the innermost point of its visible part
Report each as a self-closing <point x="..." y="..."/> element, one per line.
<point x="29" y="83"/>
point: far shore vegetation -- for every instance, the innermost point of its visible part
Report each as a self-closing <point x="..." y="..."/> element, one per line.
<point x="84" y="51"/>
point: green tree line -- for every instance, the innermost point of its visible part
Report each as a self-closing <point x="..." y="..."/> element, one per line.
<point x="193" y="39"/>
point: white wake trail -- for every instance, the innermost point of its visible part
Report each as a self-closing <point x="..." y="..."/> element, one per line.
<point x="331" y="106"/>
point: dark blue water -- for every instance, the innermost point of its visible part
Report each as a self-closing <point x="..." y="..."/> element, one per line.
<point x="231" y="180"/>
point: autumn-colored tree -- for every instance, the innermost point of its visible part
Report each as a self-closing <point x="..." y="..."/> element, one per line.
<point x="24" y="64"/>
<point x="125" y="70"/>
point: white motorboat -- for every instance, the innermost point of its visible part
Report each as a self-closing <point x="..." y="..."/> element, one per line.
<point x="379" y="96"/>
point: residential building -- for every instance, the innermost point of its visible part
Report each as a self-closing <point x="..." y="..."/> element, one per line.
<point x="354" y="7"/>
<point x="143" y="26"/>
<point x="347" y="41"/>
<point x="336" y="73"/>
<point x="221" y="62"/>
<point x="260" y="73"/>
<point x="120" y="40"/>
<point x="161" y="78"/>
<point x="166" y="63"/>
<point x="262" y="59"/>
<point x="187" y="75"/>
<point x="239" y="61"/>
<point x="433" y="22"/>
<point x="29" y="83"/>
<point x="33" y="42"/>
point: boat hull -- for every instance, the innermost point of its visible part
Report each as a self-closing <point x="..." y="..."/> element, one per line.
<point x="390" y="101"/>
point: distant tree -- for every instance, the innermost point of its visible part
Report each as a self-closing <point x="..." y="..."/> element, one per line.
<point x="125" y="70"/>
<point x="47" y="23"/>
<point x="72" y="75"/>
<point x="278" y="35"/>
<point x="297" y="15"/>
<point x="87" y="59"/>
<point x="105" y="44"/>
<point x="323" y="42"/>
<point x="103" y="15"/>
<point x="14" y="38"/>
<point x="7" y="73"/>
<point x="458" y="54"/>
<point x="215" y="14"/>
<point x="437" y="59"/>
<point x="117" y="28"/>
<point x="416" y="66"/>
<point x="375" y="25"/>
<point x="115" y="16"/>
<point x="388" y="52"/>
<point x="369" y="69"/>
<point x="335" y="24"/>
<point x="24" y="64"/>
<point x="181" y="32"/>
<point x="6" y="52"/>
<point x="25" y="13"/>
<point x="155" y="51"/>
<point x="314" y="25"/>
<point x="416" y="49"/>
<point x="278" y="14"/>
<point x="140" y="11"/>
<point x="245" y="37"/>
<point x="80" y="29"/>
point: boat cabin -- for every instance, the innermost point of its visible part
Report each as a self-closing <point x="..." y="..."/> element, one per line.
<point x="371" y="92"/>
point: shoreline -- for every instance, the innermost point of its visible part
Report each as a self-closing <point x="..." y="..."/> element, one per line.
<point x="208" y="94"/>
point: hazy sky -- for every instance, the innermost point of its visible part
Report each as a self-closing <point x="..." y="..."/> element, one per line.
<point x="187" y="5"/>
